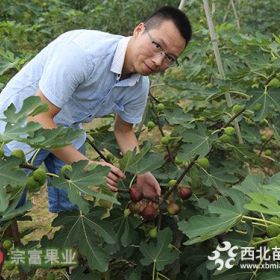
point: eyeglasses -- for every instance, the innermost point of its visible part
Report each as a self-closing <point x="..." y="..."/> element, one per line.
<point x="157" y="48"/>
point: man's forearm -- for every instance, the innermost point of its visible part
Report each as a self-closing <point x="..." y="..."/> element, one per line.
<point x="127" y="141"/>
<point x="68" y="154"/>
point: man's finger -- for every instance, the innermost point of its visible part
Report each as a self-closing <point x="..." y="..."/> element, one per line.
<point x="113" y="177"/>
<point x="117" y="172"/>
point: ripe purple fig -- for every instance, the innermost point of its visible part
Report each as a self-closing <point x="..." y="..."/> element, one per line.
<point x="149" y="213"/>
<point x="185" y="192"/>
<point x="135" y="194"/>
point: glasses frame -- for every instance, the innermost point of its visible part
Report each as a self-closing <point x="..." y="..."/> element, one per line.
<point x="167" y="56"/>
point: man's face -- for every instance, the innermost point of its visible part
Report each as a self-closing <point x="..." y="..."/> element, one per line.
<point x="155" y="49"/>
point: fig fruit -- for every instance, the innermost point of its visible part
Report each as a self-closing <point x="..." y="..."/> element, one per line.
<point x="135" y="194"/>
<point x="18" y="153"/>
<point x="151" y="125"/>
<point x="160" y="107"/>
<point x="185" y="192"/>
<point x="229" y="130"/>
<point x="7" y="244"/>
<point x="153" y="232"/>
<point x="149" y="213"/>
<point x="172" y="183"/>
<point x="173" y="208"/>
<point x="40" y="176"/>
<point x="203" y="162"/>
<point x="165" y="140"/>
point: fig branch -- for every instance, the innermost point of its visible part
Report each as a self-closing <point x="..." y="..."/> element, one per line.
<point x="91" y="143"/>
<point x="181" y="177"/>
<point x="153" y="99"/>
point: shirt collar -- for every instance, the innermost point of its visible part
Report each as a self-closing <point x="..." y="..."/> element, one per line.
<point x="118" y="61"/>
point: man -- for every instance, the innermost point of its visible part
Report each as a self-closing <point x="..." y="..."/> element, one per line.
<point x="85" y="74"/>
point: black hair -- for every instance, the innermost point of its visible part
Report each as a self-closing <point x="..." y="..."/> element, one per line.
<point x="178" y="17"/>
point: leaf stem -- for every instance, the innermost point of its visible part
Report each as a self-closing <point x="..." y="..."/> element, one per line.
<point x="154" y="270"/>
<point x="259" y="220"/>
<point x="34" y="156"/>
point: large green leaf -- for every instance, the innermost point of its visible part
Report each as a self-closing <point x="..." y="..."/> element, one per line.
<point x="269" y="99"/>
<point x="234" y="274"/>
<point x="124" y="226"/>
<point x="80" y="182"/>
<point x="175" y="115"/>
<point x="13" y="210"/>
<point x="88" y="233"/>
<point x="11" y="173"/>
<point x="17" y="127"/>
<point x="103" y="138"/>
<point x="257" y="184"/>
<point x="141" y="162"/>
<point x="4" y="199"/>
<point x="222" y="215"/>
<point x="217" y="177"/>
<point x="263" y="203"/>
<point x="269" y="275"/>
<point x="159" y="254"/>
<point x="197" y="142"/>
<point x="7" y="61"/>
<point x="53" y="138"/>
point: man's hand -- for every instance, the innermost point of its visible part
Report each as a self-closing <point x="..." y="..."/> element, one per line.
<point x="114" y="176"/>
<point x="148" y="185"/>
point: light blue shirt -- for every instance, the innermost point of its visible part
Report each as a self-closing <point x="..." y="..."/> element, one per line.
<point x="79" y="73"/>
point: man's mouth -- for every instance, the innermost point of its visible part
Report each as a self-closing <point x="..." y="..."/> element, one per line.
<point x="152" y="70"/>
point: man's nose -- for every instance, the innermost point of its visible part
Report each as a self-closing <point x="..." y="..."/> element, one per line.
<point x="158" y="59"/>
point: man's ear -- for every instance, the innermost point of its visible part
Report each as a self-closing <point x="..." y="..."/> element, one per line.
<point x="138" y="29"/>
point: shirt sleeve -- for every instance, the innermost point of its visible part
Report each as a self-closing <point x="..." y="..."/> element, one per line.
<point x="132" y="111"/>
<point x="65" y="68"/>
